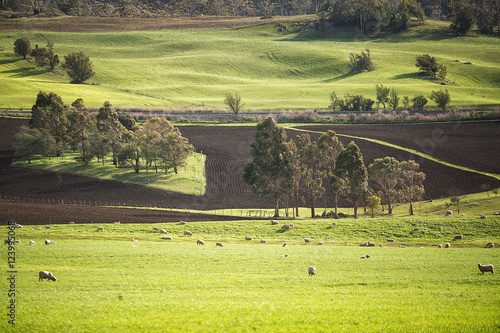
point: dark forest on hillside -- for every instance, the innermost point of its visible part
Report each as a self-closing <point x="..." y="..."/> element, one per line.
<point x="370" y="16"/>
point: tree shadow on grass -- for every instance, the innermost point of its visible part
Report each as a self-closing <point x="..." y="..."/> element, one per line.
<point x="407" y="76"/>
<point x="23" y="72"/>
<point x="8" y="61"/>
<point x="341" y="77"/>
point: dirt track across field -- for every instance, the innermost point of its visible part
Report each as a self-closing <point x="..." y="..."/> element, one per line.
<point x="227" y="151"/>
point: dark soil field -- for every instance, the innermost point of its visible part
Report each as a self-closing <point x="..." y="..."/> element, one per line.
<point x="227" y="150"/>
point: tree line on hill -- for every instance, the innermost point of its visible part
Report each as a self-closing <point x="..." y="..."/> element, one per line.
<point x="295" y="170"/>
<point x="76" y="64"/>
<point x="55" y="127"/>
<point x="369" y="16"/>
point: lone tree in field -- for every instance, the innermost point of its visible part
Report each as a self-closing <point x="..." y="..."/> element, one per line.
<point x="270" y="173"/>
<point x="234" y="102"/>
<point x="361" y="62"/>
<point x="78" y="66"/>
<point x="351" y="171"/>
<point x="427" y="65"/>
<point x="22" y="46"/>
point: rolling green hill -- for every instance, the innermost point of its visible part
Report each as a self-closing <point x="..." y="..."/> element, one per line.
<point x="268" y="68"/>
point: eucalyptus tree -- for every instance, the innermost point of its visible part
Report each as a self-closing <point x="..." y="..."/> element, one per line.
<point x="49" y="112"/>
<point x="411" y="182"/>
<point x="80" y="127"/>
<point x="382" y="93"/>
<point x="175" y="150"/>
<point x="330" y="147"/>
<point x="309" y="163"/>
<point x="111" y="128"/>
<point x="131" y="152"/>
<point x="270" y="173"/>
<point x="385" y="177"/>
<point x="29" y="142"/>
<point x="297" y="176"/>
<point x="351" y="172"/>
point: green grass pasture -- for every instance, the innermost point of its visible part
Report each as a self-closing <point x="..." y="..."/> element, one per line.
<point x="476" y="232"/>
<point x="189" y="179"/>
<point x="268" y="68"/>
<point x="109" y="284"/>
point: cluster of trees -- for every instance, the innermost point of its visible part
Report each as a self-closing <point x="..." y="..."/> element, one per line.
<point x="298" y="168"/>
<point x="55" y="127"/>
<point x="77" y="64"/>
<point x="484" y="13"/>
<point x="369" y="16"/>
<point x="387" y="97"/>
<point x="372" y="16"/>
<point x="391" y="97"/>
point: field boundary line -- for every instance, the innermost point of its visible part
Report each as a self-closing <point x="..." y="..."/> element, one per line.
<point x="412" y="151"/>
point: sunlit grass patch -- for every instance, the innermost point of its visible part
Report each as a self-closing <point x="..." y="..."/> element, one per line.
<point x="189" y="179"/>
<point x="108" y="285"/>
<point x="271" y="70"/>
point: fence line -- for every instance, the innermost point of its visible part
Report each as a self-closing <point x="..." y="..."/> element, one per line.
<point x="111" y="204"/>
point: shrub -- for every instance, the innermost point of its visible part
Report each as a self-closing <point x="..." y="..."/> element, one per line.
<point x="361" y="62"/>
<point x="442" y="98"/>
<point x="44" y="57"/>
<point x="356" y="103"/>
<point x="419" y="102"/>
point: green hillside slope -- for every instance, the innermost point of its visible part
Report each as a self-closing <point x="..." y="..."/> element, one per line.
<point x="268" y="68"/>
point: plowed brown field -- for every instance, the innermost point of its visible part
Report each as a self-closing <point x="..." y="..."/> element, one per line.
<point x="472" y="145"/>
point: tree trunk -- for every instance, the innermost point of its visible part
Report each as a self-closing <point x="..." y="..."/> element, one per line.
<point x="277" y="208"/>
<point x="136" y="165"/>
<point x="313" y="214"/>
<point x="355" y="211"/>
<point x="336" y="206"/>
<point x="296" y="195"/>
<point x="411" y="208"/>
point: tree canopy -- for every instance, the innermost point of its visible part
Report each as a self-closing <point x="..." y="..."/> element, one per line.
<point x="351" y="171"/>
<point x="270" y="172"/>
<point x="78" y="66"/>
<point x="22" y="46"/>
